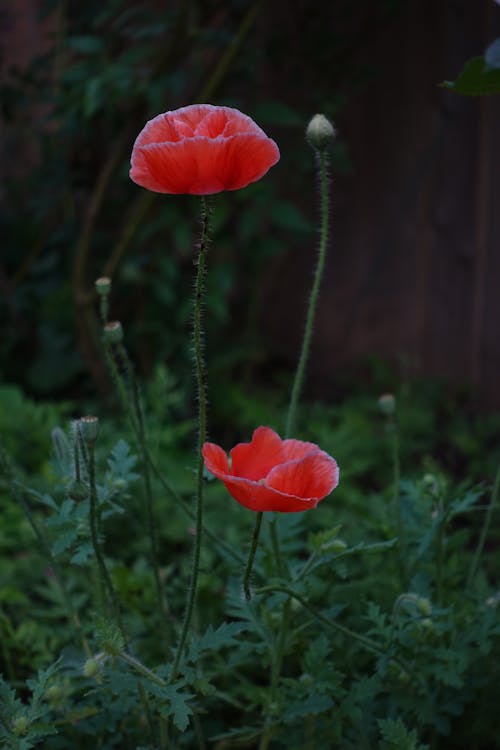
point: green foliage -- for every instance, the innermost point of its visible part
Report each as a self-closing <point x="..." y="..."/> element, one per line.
<point x="390" y="641"/>
<point x="397" y="737"/>
<point x="25" y="725"/>
<point x="479" y="76"/>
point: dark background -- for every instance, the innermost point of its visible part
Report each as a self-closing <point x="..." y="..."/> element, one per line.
<point x="413" y="271"/>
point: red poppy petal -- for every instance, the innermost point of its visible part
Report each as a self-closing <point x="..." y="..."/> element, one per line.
<point x="201" y="150"/>
<point x="226" y="121"/>
<point x="247" y="158"/>
<point x="310" y="478"/>
<point x="215" y="460"/>
<point x="255" y="460"/>
<point x="295" y="449"/>
<point x="261" y="498"/>
<point x="191" y="118"/>
<point x="160" y="129"/>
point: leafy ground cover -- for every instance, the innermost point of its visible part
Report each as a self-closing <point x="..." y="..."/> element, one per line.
<point x="376" y="627"/>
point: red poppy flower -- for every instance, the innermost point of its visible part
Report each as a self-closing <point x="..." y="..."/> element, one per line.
<point x="274" y="474"/>
<point x="200" y="150"/>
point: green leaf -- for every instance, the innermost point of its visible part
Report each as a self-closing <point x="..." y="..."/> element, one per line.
<point x="213" y="640"/>
<point x="313" y="704"/>
<point x="122" y="461"/>
<point x="475" y="79"/>
<point x="177" y="704"/>
<point x="64" y="541"/>
<point x="396" y="736"/>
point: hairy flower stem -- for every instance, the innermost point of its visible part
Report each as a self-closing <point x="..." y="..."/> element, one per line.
<point x="167" y="486"/>
<point x="105" y="582"/>
<point x="104" y="577"/>
<point x="206" y="213"/>
<point x="322" y="160"/>
<point x="484" y="531"/>
<point x="141" y="435"/>
<point x="393" y="426"/>
<point x="251" y="555"/>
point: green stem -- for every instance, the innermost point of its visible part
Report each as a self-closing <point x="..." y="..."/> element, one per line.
<point x="396" y="479"/>
<point x="366" y="642"/>
<point x="141" y="434"/>
<point x="206" y="212"/>
<point x="126" y="403"/>
<point x="141" y="668"/>
<point x="275" y="542"/>
<point x="251" y="555"/>
<point x="322" y="158"/>
<point x="396" y="467"/>
<point x="104" y="577"/>
<point x="72" y="614"/>
<point x="485" y="529"/>
<point x="105" y="583"/>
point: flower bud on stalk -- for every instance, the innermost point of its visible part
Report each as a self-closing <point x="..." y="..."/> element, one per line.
<point x="103" y="286"/>
<point x="320" y="132"/>
<point x="387" y="404"/>
<point x="113" y="332"/>
<point x="89" y="427"/>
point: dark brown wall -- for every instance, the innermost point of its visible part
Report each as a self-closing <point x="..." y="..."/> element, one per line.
<point x="414" y="265"/>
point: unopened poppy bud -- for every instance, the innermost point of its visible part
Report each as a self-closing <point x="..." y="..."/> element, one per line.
<point x="424" y="606"/>
<point x="78" y="491"/>
<point x="103" y="286"/>
<point x="320" y="132"/>
<point x="426" y="623"/>
<point x="387" y="404"/>
<point x="20" y="725"/>
<point x="92" y="667"/>
<point x="54" y="694"/>
<point x="113" y="332"/>
<point x="89" y="427"/>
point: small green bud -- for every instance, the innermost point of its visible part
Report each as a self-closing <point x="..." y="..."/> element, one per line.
<point x="78" y="491"/>
<point x="54" y="694"/>
<point x="92" y="667"/>
<point x="119" y="484"/>
<point x="387" y="404"/>
<point x="424" y="606"/>
<point x="20" y="725"/>
<point x="113" y="332"/>
<point x="103" y="286"/>
<point x="89" y="427"/>
<point x="427" y="623"/>
<point x="320" y="132"/>
<point x="306" y="679"/>
<point x="335" y="545"/>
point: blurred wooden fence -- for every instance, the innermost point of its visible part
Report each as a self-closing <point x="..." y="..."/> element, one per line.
<point x="414" y="266"/>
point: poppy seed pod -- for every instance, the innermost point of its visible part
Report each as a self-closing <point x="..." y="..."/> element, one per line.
<point x="89" y="427"/>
